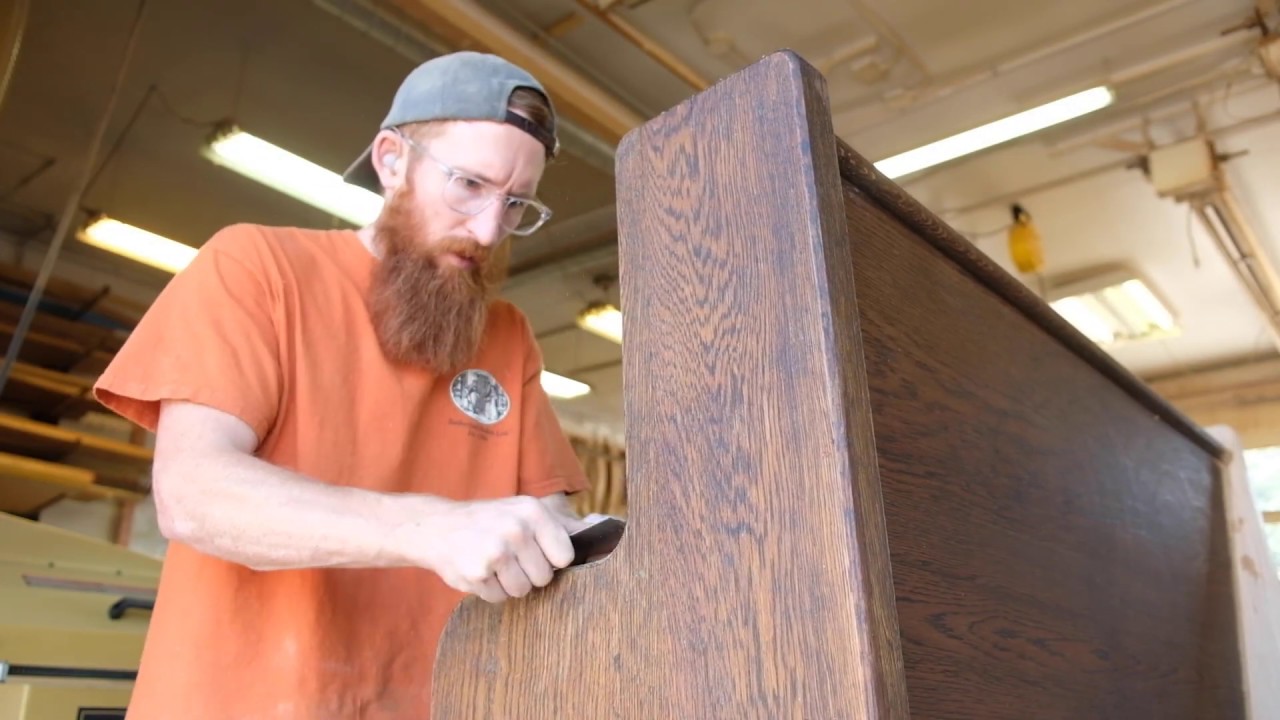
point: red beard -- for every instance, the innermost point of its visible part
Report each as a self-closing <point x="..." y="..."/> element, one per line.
<point x="427" y="312"/>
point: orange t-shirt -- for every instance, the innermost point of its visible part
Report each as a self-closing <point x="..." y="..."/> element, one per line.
<point x="270" y="324"/>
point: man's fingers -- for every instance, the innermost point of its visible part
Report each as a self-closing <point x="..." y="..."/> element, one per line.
<point x="553" y="539"/>
<point x="507" y="548"/>
<point x="512" y="578"/>
<point x="491" y="591"/>
<point x="533" y="563"/>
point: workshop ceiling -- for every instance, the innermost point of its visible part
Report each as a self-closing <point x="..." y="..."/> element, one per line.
<point x="315" y="76"/>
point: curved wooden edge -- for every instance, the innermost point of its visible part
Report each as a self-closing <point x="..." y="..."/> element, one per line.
<point x="866" y="178"/>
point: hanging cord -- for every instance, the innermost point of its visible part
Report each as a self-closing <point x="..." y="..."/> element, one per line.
<point x="152" y="91"/>
<point x="1191" y="238"/>
<point x="71" y="209"/>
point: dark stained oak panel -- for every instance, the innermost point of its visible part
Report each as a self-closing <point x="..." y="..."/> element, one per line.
<point x="1050" y="537"/>
<point x="753" y="579"/>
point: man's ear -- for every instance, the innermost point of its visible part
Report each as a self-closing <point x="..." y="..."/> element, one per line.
<point x="388" y="159"/>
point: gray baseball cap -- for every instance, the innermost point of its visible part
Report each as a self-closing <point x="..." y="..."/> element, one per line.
<point x="458" y="86"/>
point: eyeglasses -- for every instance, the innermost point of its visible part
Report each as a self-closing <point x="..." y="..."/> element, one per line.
<point x="470" y="195"/>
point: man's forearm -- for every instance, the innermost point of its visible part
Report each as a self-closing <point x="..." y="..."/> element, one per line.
<point x="245" y="510"/>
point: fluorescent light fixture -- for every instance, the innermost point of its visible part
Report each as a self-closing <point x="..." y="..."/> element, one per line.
<point x="995" y="133"/>
<point x="1114" y="308"/>
<point x="559" y="386"/>
<point x="137" y="244"/>
<point x="602" y="319"/>
<point x="292" y="175"/>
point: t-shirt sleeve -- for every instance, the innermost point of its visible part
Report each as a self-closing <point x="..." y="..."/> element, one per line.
<point x="209" y="338"/>
<point x="547" y="461"/>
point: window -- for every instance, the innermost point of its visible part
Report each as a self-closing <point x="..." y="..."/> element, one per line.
<point x="1263" y="468"/>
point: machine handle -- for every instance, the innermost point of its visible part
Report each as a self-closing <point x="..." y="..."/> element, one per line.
<point x="118" y="608"/>
<point x="8" y="670"/>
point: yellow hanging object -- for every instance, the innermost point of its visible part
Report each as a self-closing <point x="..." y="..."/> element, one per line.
<point x="1024" y="242"/>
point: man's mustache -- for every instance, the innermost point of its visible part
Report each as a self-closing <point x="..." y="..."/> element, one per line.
<point x="463" y="248"/>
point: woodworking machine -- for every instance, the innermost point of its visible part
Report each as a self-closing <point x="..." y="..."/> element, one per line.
<point x="73" y="615"/>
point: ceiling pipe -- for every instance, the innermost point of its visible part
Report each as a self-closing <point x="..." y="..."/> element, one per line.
<point x="1191" y="172"/>
<point x="1219" y="214"/>
<point x="646" y="44"/>
<point x="1171" y="110"/>
<point x="910" y="98"/>
<point x="1178" y="57"/>
<point x="13" y="27"/>
<point x="1003" y="199"/>
<point x="1231" y="216"/>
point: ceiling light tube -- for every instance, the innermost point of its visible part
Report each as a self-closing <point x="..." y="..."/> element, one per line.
<point x="1112" y="307"/>
<point x="602" y="319"/>
<point x="136" y="244"/>
<point x="292" y="175"/>
<point x="1092" y="321"/>
<point x="995" y="133"/>
<point x="559" y="386"/>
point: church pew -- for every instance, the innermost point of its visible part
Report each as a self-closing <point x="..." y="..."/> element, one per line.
<point x="869" y="474"/>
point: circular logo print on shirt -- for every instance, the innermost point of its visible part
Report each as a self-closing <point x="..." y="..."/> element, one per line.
<point x="478" y="394"/>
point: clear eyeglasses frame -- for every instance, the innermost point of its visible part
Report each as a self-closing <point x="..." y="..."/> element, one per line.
<point x="470" y="196"/>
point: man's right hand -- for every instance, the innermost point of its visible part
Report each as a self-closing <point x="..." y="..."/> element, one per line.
<point x="494" y="549"/>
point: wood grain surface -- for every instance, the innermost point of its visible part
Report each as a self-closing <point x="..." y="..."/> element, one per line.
<point x="1056" y="544"/>
<point x="753" y="580"/>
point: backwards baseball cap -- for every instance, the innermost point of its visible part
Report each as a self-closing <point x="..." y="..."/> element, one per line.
<point x="458" y="86"/>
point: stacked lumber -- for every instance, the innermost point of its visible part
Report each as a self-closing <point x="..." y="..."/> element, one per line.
<point x="44" y="458"/>
<point x="605" y="464"/>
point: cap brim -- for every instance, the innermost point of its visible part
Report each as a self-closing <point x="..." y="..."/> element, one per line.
<point x="362" y="174"/>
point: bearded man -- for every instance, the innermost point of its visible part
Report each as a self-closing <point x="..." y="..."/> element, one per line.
<point x="351" y="433"/>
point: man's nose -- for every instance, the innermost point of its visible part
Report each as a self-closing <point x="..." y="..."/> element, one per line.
<point x="487" y="226"/>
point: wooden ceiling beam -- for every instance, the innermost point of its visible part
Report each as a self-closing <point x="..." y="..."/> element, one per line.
<point x="466" y="25"/>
